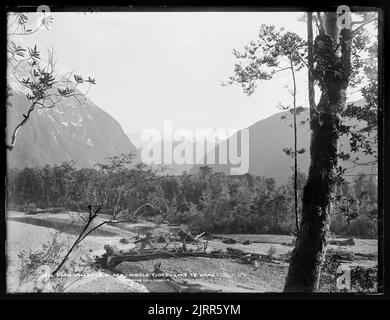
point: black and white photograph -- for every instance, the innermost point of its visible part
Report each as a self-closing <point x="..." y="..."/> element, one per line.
<point x="193" y="151"/>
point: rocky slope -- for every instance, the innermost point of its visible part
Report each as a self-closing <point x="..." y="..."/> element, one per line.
<point x="83" y="133"/>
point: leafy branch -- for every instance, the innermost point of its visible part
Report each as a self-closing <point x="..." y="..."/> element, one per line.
<point x="42" y="86"/>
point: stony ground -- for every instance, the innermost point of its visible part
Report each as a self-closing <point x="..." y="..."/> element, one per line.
<point x="226" y="275"/>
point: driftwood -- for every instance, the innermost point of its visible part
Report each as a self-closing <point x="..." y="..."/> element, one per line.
<point x="229" y="241"/>
<point x="348" y="242"/>
<point x="111" y="259"/>
<point x="48" y="210"/>
<point x="340" y="255"/>
<point x="350" y="256"/>
<point x="368" y="256"/>
<point x="186" y="237"/>
<point x="182" y="286"/>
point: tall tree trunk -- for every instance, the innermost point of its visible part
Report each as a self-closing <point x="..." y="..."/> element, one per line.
<point x="295" y="151"/>
<point x="310" y="63"/>
<point x="333" y="62"/>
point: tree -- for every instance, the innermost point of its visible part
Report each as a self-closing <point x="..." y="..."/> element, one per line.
<point x="294" y="152"/>
<point x="275" y="51"/>
<point x="39" y="80"/>
<point x="333" y="66"/>
<point x="333" y="71"/>
<point x="118" y="180"/>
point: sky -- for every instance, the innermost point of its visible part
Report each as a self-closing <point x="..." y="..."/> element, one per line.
<point x="156" y="67"/>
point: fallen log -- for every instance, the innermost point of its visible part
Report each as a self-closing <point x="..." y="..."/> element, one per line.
<point x="368" y="256"/>
<point x="236" y="251"/>
<point x="113" y="260"/>
<point x="110" y="260"/>
<point x="348" y="242"/>
<point x="229" y="241"/>
<point x="340" y="255"/>
<point x="48" y="210"/>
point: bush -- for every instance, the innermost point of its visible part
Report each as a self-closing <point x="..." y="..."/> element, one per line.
<point x="364" y="280"/>
<point x="328" y="280"/>
<point x="36" y="265"/>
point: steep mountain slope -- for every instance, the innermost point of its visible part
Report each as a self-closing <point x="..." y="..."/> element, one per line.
<point x="268" y="137"/>
<point x="70" y="131"/>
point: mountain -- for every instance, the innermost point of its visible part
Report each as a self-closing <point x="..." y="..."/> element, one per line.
<point x="70" y="131"/>
<point x="268" y="137"/>
<point x="135" y="138"/>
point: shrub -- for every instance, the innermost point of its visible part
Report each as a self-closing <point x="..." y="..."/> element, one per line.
<point x="34" y="263"/>
<point x="364" y="280"/>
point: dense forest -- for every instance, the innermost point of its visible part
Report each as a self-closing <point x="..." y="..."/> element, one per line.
<point x="206" y="201"/>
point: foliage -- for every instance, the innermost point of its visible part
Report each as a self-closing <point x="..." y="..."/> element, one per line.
<point x="34" y="263"/>
<point x="363" y="135"/>
<point x="354" y="210"/>
<point x="38" y="80"/>
<point x="206" y="201"/>
<point x="328" y="280"/>
<point x="364" y="280"/>
<point x="274" y="50"/>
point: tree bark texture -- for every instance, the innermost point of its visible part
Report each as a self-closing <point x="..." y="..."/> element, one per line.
<point x="332" y="57"/>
